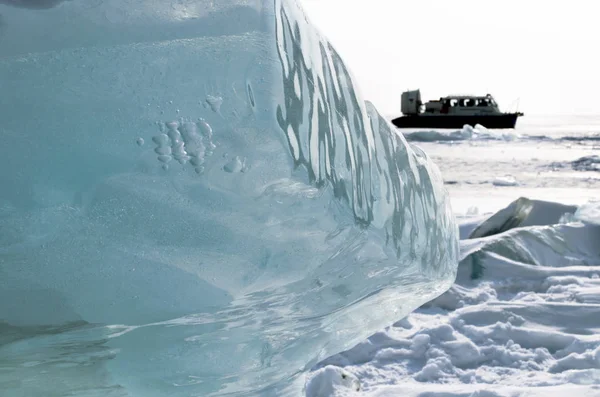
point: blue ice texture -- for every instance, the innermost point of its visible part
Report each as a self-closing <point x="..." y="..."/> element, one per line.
<point x="196" y="201"/>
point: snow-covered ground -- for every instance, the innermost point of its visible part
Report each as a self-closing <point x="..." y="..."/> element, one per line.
<point x="523" y="318"/>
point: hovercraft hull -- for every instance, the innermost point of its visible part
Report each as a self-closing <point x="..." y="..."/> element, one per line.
<point x="506" y="120"/>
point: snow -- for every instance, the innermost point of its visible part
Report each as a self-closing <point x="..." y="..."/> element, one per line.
<point x="331" y="380"/>
<point x="522" y="319"/>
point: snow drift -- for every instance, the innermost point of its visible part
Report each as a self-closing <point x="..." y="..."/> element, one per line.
<point x="522" y="319"/>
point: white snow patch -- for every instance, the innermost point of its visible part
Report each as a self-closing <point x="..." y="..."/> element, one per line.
<point x="526" y="325"/>
<point x="332" y="381"/>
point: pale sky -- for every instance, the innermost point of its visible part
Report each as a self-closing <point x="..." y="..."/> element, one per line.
<point x="547" y="53"/>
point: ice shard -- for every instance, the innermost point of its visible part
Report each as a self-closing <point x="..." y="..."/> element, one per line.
<point x="195" y="201"/>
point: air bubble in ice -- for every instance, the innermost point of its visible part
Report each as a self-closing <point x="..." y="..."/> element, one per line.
<point x="205" y="128"/>
<point x="163" y="150"/>
<point x="214" y="102"/>
<point x="164" y="158"/>
<point x="161" y="139"/>
<point x="235" y="165"/>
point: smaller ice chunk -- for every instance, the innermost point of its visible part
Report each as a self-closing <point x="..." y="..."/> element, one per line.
<point x="507" y="180"/>
<point x="587" y="163"/>
<point x="588" y="213"/>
